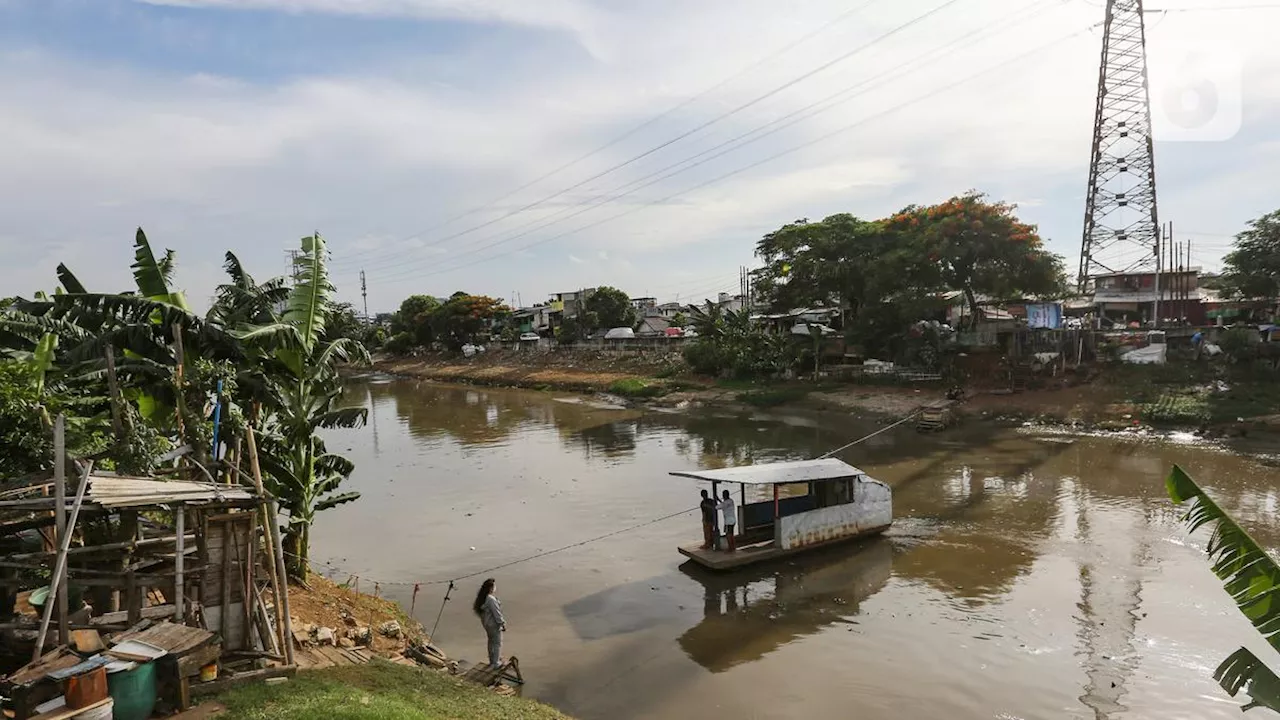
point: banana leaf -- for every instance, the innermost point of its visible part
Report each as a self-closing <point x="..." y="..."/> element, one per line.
<point x="308" y="306"/>
<point x="151" y="275"/>
<point x="1252" y="579"/>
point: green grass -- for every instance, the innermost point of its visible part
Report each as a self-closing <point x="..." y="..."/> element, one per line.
<point x="636" y="388"/>
<point x="1178" y="407"/>
<point x="377" y="691"/>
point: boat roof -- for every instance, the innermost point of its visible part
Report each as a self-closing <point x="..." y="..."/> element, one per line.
<point x="779" y="473"/>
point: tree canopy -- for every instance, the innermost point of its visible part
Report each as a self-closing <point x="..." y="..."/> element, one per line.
<point x="1252" y="269"/>
<point x="880" y="273"/>
<point x="608" y="308"/>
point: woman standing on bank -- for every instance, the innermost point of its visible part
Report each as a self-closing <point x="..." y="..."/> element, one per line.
<point x="490" y="612"/>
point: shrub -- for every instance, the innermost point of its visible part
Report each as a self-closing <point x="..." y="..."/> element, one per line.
<point x="1239" y="343"/>
<point x="635" y="388"/>
<point x="399" y="344"/>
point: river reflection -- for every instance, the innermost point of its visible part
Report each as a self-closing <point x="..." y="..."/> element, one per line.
<point x="1027" y="575"/>
<point x="749" y="614"/>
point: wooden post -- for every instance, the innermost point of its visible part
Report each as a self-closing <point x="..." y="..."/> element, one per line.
<point x="275" y="552"/>
<point x="775" y="508"/>
<point x="226" y="575"/>
<point x="60" y="565"/>
<point x="177" y="379"/>
<point x="251" y="539"/>
<point x="179" y="602"/>
<point x="58" y="582"/>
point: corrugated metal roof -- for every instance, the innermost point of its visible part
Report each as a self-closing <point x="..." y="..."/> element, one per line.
<point x="800" y="471"/>
<point x="115" y="492"/>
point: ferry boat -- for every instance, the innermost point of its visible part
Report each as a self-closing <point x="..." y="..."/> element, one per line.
<point x="814" y="503"/>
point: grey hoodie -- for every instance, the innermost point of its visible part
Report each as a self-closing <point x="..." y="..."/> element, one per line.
<point x="491" y="613"/>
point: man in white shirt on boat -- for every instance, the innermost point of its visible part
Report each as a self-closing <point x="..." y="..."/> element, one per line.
<point x="729" y="512"/>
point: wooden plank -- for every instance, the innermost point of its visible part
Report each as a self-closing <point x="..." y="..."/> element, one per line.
<point x="217" y="686"/>
<point x="153" y="612"/>
<point x="63" y="713"/>
<point x="191" y="663"/>
<point x="86" y="641"/>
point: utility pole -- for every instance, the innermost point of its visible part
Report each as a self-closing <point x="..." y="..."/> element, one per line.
<point x="364" y="295"/>
<point x="1120" y="202"/>
<point x="1159" y="262"/>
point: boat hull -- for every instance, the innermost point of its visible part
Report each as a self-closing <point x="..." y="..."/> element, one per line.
<point x="718" y="560"/>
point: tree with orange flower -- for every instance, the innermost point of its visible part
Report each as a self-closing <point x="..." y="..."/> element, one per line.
<point x="979" y="248"/>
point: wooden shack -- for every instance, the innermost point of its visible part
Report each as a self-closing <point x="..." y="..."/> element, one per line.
<point x="186" y="566"/>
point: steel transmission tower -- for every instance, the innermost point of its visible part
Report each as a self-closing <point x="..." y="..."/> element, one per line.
<point x="1121" y="227"/>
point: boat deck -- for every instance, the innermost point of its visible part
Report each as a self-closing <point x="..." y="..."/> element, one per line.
<point x="760" y="552"/>
<point x="722" y="560"/>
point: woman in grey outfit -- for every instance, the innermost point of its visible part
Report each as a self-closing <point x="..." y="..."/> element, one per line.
<point x="490" y="612"/>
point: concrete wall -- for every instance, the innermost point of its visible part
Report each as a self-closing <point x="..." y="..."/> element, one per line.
<point x="871" y="509"/>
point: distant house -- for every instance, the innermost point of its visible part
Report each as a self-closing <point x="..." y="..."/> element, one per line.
<point x="536" y="319"/>
<point x="570" y="303"/>
<point x="653" y="326"/>
<point x="1132" y="297"/>
<point x="645" y="306"/>
<point x="672" y="309"/>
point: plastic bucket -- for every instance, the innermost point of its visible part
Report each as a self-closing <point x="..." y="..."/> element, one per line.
<point x="134" y="692"/>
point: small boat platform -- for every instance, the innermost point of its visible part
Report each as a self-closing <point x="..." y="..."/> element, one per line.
<point x="723" y="560"/>
<point x="482" y="674"/>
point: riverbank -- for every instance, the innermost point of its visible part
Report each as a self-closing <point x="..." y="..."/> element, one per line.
<point x="1212" y="400"/>
<point x="380" y="690"/>
<point x="325" y="615"/>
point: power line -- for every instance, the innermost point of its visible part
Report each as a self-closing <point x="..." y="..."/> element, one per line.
<point x="708" y="123"/>
<point x="651" y="121"/>
<point x="770" y="158"/>
<point x="794" y="117"/>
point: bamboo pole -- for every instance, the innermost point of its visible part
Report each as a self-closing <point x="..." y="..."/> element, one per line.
<point x="60" y="565"/>
<point x="58" y="583"/>
<point x="179" y="602"/>
<point x="275" y="552"/>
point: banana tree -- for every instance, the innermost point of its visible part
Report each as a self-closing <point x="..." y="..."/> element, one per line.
<point x="1252" y="579"/>
<point x="304" y="389"/>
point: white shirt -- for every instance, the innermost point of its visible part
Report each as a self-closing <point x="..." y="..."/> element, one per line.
<point x="726" y="507"/>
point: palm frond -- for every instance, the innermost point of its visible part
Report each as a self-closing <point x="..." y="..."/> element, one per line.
<point x="42" y="359"/>
<point x="1249" y="575"/>
<point x="333" y="501"/>
<point x="150" y="275"/>
<point x="308" y="307"/>
<point x="344" y="418"/>
<point x="1241" y="670"/>
<point x="69" y="281"/>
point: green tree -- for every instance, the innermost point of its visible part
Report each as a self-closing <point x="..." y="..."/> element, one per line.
<point x="609" y="308"/>
<point x="466" y="319"/>
<point x="1252" y="579"/>
<point x="302" y="393"/>
<point x="841" y="261"/>
<point x="1252" y="268"/>
<point x="344" y="322"/>
<point x="415" y="318"/>
<point x="978" y="247"/>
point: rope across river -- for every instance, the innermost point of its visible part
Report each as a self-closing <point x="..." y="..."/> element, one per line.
<point x="539" y="555"/>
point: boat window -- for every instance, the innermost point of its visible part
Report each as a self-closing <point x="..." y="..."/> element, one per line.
<point x="833" y="492"/>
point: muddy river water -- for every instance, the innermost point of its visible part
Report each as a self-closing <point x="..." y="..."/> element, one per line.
<point x="1028" y="574"/>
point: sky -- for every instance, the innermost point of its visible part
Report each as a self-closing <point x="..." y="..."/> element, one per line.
<point x="520" y="149"/>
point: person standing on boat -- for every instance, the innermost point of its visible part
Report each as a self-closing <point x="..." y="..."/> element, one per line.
<point x="708" y="507"/>
<point x="490" y="612"/>
<point x="730" y="520"/>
